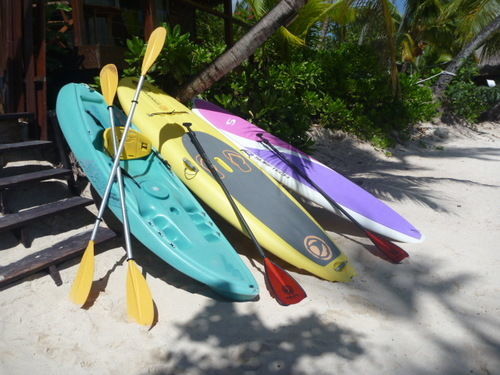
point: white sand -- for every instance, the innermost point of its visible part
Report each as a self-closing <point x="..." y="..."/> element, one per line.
<point x="438" y="313"/>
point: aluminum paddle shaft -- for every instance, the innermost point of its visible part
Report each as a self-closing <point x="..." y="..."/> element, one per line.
<point x="116" y="162"/>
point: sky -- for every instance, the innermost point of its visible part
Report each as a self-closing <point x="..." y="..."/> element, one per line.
<point x="399" y="3"/>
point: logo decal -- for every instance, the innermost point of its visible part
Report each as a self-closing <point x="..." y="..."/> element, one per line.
<point x="201" y="162"/>
<point x="237" y="160"/>
<point x="318" y="248"/>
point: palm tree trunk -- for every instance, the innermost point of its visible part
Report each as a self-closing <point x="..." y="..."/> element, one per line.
<point x="463" y="55"/>
<point x="391" y="31"/>
<point x="242" y="49"/>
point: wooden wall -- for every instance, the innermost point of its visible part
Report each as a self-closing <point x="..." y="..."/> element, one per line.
<point x="23" y="70"/>
<point x="22" y="60"/>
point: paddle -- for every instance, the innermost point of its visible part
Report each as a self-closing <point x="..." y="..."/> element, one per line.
<point x="139" y="298"/>
<point x="83" y="281"/>
<point x="137" y="289"/>
<point x="281" y="285"/>
<point x="391" y="251"/>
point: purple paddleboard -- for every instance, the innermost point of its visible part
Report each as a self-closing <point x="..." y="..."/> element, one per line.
<point x="369" y="211"/>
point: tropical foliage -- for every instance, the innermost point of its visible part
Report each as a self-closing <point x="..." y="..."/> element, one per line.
<point x="179" y="59"/>
<point x="467" y="100"/>
<point x="345" y="64"/>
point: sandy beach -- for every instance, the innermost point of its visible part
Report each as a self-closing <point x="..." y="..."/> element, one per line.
<point x="437" y="313"/>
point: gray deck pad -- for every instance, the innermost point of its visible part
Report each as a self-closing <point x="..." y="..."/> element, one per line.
<point x="254" y="190"/>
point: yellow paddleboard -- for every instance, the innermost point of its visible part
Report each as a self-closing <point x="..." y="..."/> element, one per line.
<point x="278" y="221"/>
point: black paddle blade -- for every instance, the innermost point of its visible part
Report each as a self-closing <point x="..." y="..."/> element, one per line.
<point x="392" y="252"/>
<point x="282" y="286"/>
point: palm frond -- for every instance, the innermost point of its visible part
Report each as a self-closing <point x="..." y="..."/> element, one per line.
<point x="342" y="12"/>
<point x="290" y="37"/>
<point x="381" y="17"/>
<point x="258" y="7"/>
<point x="408" y="48"/>
<point x="314" y="11"/>
<point x="470" y="16"/>
<point x="491" y="48"/>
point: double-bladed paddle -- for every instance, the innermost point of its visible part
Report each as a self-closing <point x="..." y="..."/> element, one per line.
<point x="139" y="299"/>
<point x="282" y="286"/>
<point x="391" y="251"/>
<point x="144" y="314"/>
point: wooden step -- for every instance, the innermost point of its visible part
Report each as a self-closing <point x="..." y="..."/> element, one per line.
<point x="46" y="174"/>
<point x="17" y="115"/>
<point x="48" y="258"/>
<point x="19" y="219"/>
<point x="18" y="146"/>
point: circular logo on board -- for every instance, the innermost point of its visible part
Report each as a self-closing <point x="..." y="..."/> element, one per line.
<point x="318" y="247"/>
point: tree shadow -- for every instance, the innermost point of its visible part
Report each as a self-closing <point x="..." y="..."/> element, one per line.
<point x="249" y="346"/>
<point x="221" y="339"/>
<point x="385" y="291"/>
<point x="385" y="177"/>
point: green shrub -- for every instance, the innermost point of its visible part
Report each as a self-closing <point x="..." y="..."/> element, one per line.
<point x="281" y="99"/>
<point x="417" y="100"/>
<point x="361" y="97"/>
<point x="467" y="100"/>
<point x="178" y="61"/>
<point x="343" y="88"/>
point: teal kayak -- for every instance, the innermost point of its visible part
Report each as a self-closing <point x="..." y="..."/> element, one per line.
<point x="163" y="214"/>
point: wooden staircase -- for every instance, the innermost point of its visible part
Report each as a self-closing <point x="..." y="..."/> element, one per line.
<point x="18" y="223"/>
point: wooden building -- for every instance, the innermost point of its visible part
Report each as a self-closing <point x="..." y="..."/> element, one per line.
<point x="91" y="32"/>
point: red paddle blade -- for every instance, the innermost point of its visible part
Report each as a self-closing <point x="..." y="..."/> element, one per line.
<point x="392" y="252"/>
<point x="282" y="286"/>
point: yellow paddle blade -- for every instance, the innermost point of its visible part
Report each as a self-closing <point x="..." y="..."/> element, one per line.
<point x="155" y="45"/>
<point x="139" y="300"/>
<point x="136" y="146"/>
<point x="80" y="289"/>
<point x="109" y="82"/>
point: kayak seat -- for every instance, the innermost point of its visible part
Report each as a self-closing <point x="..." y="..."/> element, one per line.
<point x="136" y="146"/>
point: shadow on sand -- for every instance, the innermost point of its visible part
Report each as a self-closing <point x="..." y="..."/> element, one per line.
<point x="386" y="178"/>
<point x="248" y="346"/>
<point x="221" y="339"/>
